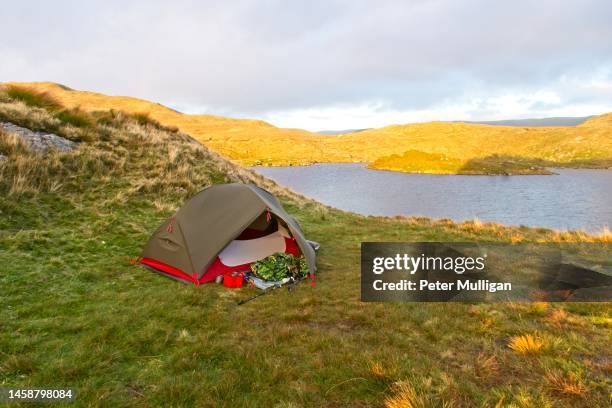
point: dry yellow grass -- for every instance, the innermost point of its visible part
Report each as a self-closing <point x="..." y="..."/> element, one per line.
<point x="558" y="317"/>
<point x="570" y="385"/>
<point x="526" y="344"/>
<point x="258" y="142"/>
<point x="539" y="308"/>
<point x="486" y="366"/>
<point x="605" y="235"/>
<point x="378" y="371"/>
<point x="383" y="372"/>
<point x="404" y="396"/>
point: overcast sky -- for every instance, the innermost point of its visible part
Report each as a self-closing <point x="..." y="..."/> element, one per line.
<point x="323" y="64"/>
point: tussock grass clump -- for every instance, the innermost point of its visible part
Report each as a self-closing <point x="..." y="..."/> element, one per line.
<point x="569" y="385"/>
<point x="405" y="396"/>
<point x="33" y="98"/>
<point x="27" y="172"/>
<point x="11" y="145"/>
<point x="384" y="372"/>
<point x="75" y="117"/>
<point x="526" y="344"/>
<point x="539" y="308"/>
<point x="558" y="316"/>
<point x="486" y="366"/>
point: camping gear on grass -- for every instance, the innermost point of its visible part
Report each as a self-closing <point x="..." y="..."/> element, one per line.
<point x="263" y="284"/>
<point x="233" y="279"/>
<point x="222" y="229"/>
<point x="276" y="271"/>
<point x="279" y="266"/>
<point x="291" y="283"/>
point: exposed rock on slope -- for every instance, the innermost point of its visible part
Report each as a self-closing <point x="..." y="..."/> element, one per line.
<point x="38" y="141"/>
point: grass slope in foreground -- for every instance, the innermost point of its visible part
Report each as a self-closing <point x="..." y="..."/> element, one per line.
<point x="74" y="311"/>
<point x="256" y="142"/>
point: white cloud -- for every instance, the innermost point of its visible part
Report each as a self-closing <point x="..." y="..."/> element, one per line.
<point x="334" y="63"/>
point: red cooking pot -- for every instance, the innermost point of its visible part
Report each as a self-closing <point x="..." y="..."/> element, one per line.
<point x="233" y="279"/>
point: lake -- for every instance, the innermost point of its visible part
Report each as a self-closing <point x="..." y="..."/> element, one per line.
<point x="574" y="199"/>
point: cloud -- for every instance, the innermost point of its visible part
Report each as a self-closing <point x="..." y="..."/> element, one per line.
<point x="292" y="61"/>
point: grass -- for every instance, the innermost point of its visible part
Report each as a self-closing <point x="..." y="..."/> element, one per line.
<point x="254" y="142"/>
<point x="75" y="312"/>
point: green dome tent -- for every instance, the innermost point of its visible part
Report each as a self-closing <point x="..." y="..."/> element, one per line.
<point x="188" y="246"/>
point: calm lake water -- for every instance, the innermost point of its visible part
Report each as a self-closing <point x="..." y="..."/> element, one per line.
<point x="574" y="199"/>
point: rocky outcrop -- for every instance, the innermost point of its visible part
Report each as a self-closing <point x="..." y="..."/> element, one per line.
<point x="38" y="141"/>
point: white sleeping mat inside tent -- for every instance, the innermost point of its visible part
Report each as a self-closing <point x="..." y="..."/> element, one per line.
<point x="239" y="252"/>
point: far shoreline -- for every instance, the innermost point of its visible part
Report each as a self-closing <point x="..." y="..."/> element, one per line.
<point x="551" y="170"/>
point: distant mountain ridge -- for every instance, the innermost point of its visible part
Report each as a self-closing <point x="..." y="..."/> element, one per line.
<point x="529" y="122"/>
<point x="536" y="122"/>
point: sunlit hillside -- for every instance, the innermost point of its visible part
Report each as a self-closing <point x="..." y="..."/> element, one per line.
<point x="590" y="142"/>
<point x="242" y="140"/>
<point x="258" y="142"/>
<point x="414" y="161"/>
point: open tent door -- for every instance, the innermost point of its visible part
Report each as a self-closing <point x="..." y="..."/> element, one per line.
<point x="256" y="242"/>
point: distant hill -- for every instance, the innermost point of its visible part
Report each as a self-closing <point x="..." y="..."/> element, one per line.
<point x="538" y="122"/>
<point x="249" y="141"/>
<point x="532" y="122"/>
<point x="585" y="145"/>
<point x="414" y="161"/>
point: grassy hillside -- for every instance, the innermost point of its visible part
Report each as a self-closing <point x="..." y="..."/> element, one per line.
<point x="242" y="140"/>
<point x="586" y="145"/>
<point x="75" y="312"/>
<point x="257" y="142"/>
<point x="414" y="161"/>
